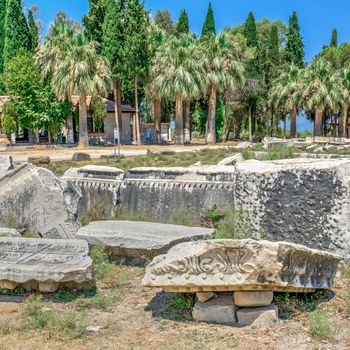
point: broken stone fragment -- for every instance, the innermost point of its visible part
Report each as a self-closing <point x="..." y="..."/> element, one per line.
<point x="259" y="317"/>
<point x="219" y="310"/>
<point x="253" y="299"/>
<point x="204" y="297"/>
<point x="239" y="265"/>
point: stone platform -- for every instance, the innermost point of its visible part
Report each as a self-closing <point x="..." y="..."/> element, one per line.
<point x="139" y="240"/>
<point x="44" y="264"/>
<point x="235" y="265"/>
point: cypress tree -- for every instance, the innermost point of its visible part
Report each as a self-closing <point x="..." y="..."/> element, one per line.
<point x="163" y="20"/>
<point x="334" y="40"/>
<point x="2" y="33"/>
<point x="253" y="69"/>
<point x="273" y="55"/>
<point x="209" y="24"/>
<point x="33" y="30"/>
<point x="93" y="21"/>
<point x="294" y="51"/>
<point x="16" y="30"/>
<point x="183" y="26"/>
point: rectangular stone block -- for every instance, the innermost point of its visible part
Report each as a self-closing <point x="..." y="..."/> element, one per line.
<point x="45" y="263"/>
<point x="253" y="298"/>
<point x="220" y="310"/>
<point x="260" y="316"/>
<point x="204" y="297"/>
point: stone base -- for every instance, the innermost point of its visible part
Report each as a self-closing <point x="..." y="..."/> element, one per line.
<point x="220" y="310"/>
<point x="259" y="317"/>
<point x="253" y="298"/>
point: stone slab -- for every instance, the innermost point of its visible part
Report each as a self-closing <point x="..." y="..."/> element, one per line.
<point x="259" y="317"/>
<point x="9" y="232"/>
<point x="219" y="310"/>
<point x="141" y="240"/>
<point x="6" y="164"/>
<point x="253" y="299"/>
<point x="44" y="263"/>
<point x="235" y="265"/>
<point x="232" y="160"/>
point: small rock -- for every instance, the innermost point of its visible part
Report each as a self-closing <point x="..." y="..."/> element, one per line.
<point x="237" y="158"/>
<point x="253" y="299"/>
<point x="243" y="145"/>
<point x="80" y="156"/>
<point x="9" y="232"/>
<point x="93" y="329"/>
<point x="204" y="297"/>
<point x="259" y="317"/>
<point x="198" y="164"/>
<point x="39" y="160"/>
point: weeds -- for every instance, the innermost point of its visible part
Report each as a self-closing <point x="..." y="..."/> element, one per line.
<point x="248" y="154"/>
<point x="99" y="301"/>
<point x="97" y="211"/>
<point x="320" y="324"/>
<point x="278" y="152"/>
<point x="347" y="304"/>
<point x="179" y="307"/>
<point x="8" y="221"/>
<point x="102" y="266"/>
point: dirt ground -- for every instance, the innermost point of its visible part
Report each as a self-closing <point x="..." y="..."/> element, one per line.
<point x="137" y="321"/>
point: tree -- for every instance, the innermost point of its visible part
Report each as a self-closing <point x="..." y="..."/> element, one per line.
<point x="177" y="73"/>
<point x="294" y="51"/>
<point x="334" y="39"/>
<point x="2" y="33"/>
<point x="321" y="91"/>
<point x="98" y="111"/>
<point x="93" y="21"/>
<point x="209" y="24"/>
<point x="9" y="119"/>
<point x="223" y="64"/>
<point x="16" y="30"/>
<point x="33" y="30"/>
<point x="182" y="26"/>
<point x="343" y="122"/>
<point x="273" y="56"/>
<point x="250" y="32"/>
<point x="113" y="46"/>
<point x="286" y="94"/>
<point x="163" y="20"/>
<point x="137" y="55"/>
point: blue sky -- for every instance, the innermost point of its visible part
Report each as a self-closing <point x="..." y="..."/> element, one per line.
<point x="317" y="17"/>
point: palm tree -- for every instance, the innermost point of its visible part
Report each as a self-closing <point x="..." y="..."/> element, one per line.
<point x="223" y="63"/>
<point x="345" y="78"/>
<point x="80" y="71"/>
<point x="321" y="91"/>
<point x="285" y="94"/>
<point x="178" y="73"/>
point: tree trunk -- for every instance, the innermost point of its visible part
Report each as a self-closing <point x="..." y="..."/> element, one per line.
<point x="83" y="132"/>
<point x="293" y="123"/>
<point x="187" y="121"/>
<point x="250" y="137"/>
<point x="318" y="122"/>
<point x="37" y="137"/>
<point x="343" y="122"/>
<point x="70" y="130"/>
<point x="211" y="122"/>
<point x="137" y="119"/>
<point x="272" y="124"/>
<point x="179" y="120"/>
<point x="118" y="108"/>
<point x="284" y="126"/>
<point x="157" y="113"/>
<point x="225" y="131"/>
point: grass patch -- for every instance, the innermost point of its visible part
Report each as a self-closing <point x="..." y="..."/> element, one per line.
<point x="179" y="307"/>
<point x="347" y="304"/>
<point x="277" y="152"/>
<point x="320" y="324"/>
<point x="102" y="266"/>
<point x="99" y="301"/>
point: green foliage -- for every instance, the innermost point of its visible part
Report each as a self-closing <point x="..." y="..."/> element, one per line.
<point x="320" y="324"/>
<point x="14" y="292"/>
<point x="253" y="69"/>
<point x="102" y="266"/>
<point x="248" y="154"/>
<point x="347" y="303"/>
<point x="209" y="24"/>
<point x="273" y="56"/>
<point x="163" y="20"/>
<point x="277" y="152"/>
<point x="2" y="33"/>
<point x="99" y="301"/>
<point x="65" y="296"/>
<point x="33" y="31"/>
<point x="179" y="307"/>
<point x="98" y="111"/>
<point x="334" y="39"/>
<point x="16" y="30"/>
<point x="9" y="118"/>
<point x="294" y="51"/>
<point x="182" y="26"/>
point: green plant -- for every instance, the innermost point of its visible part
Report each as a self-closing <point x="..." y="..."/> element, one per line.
<point x="279" y="152"/>
<point x="8" y="220"/>
<point x="248" y="154"/>
<point x="97" y="210"/>
<point x="178" y="307"/>
<point x="65" y="296"/>
<point x="102" y="266"/>
<point x="98" y="301"/>
<point x="320" y="324"/>
<point x="16" y="291"/>
<point x="347" y="303"/>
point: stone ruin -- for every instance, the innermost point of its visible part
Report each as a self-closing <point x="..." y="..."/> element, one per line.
<point x="247" y="271"/>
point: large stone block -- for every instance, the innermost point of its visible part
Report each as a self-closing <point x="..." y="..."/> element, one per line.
<point x="235" y="265"/>
<point x="6" y="164"/>
<point x="219" y="310"/>
<point x="36" y="200"/>
<point x="45" y="263"/>
<point x="140" y="240"/>
<point x="259" y="317"/>
<point x="253" y="298"/>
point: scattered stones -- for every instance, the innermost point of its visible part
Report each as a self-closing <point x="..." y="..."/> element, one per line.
<point x="80" y="156"/>
<point x="44" y="262"/>
<point x="204" y="297"/>
<point x="253" y="298"/>
<point x="138" y="242"/>
<point x="233" y="160"/>
<point x="238" y="265"/>
<point x="39" y="160"/>
<point x="258" y="317"/>
<point x="35" y="200"/>
<point x="219" y="310"/>
<point x="9" y="232"/>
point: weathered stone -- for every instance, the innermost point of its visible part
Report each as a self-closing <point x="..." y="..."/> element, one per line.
<point x="38" y="201"/>
<point x="39" y="160"/>
<point x="237" y="158"/>
<point x="204" y="297"/>
<point x="235" y="265"/>
<point x="46" y="262"/>
<point x="274" y="141"/>
<point x="9" y="232"/>
<point x="219" y="310"/>
<point x="80" y="156"/>
<point x="253" y="298"/>
<point x="258" y="317"/>
<point x="140" y="240"/>
<point x="6" y="164"/>
<point x="319" y="149"/>
<point x="243" y="145"/>
<point x="8" y="284"/>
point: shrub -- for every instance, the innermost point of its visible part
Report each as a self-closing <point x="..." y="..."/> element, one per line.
<point x="102" y="266"/>
<point x="178" y="307"/>
<point x="248" y="154"/>
<point x="320" y="324"/>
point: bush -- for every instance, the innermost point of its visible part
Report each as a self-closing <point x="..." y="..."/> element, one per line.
<point x="320" y="324"/>
<point x="102" y="266"/>
<point x="178" y="307"/>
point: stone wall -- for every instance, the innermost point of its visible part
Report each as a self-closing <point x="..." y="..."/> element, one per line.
<point x="301" y="201"/>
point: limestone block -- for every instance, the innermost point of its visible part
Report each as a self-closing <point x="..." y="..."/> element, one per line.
<point x="9" y="232"/>
<point x="38" y="201"/>
<point x="236" y="265"/>
<point x="253" y="299"/>
<point x="46" y="262"/>
<point x="259" y="317"/>
<point x="6" y="164"/>
<point x="219" y="310"/>
<point x="142" y="240"/>
<point x="204" y="297"/>
<point x="232" y="160"/>
<point x="80" y="156"/>
<point x="39" y="160"/>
